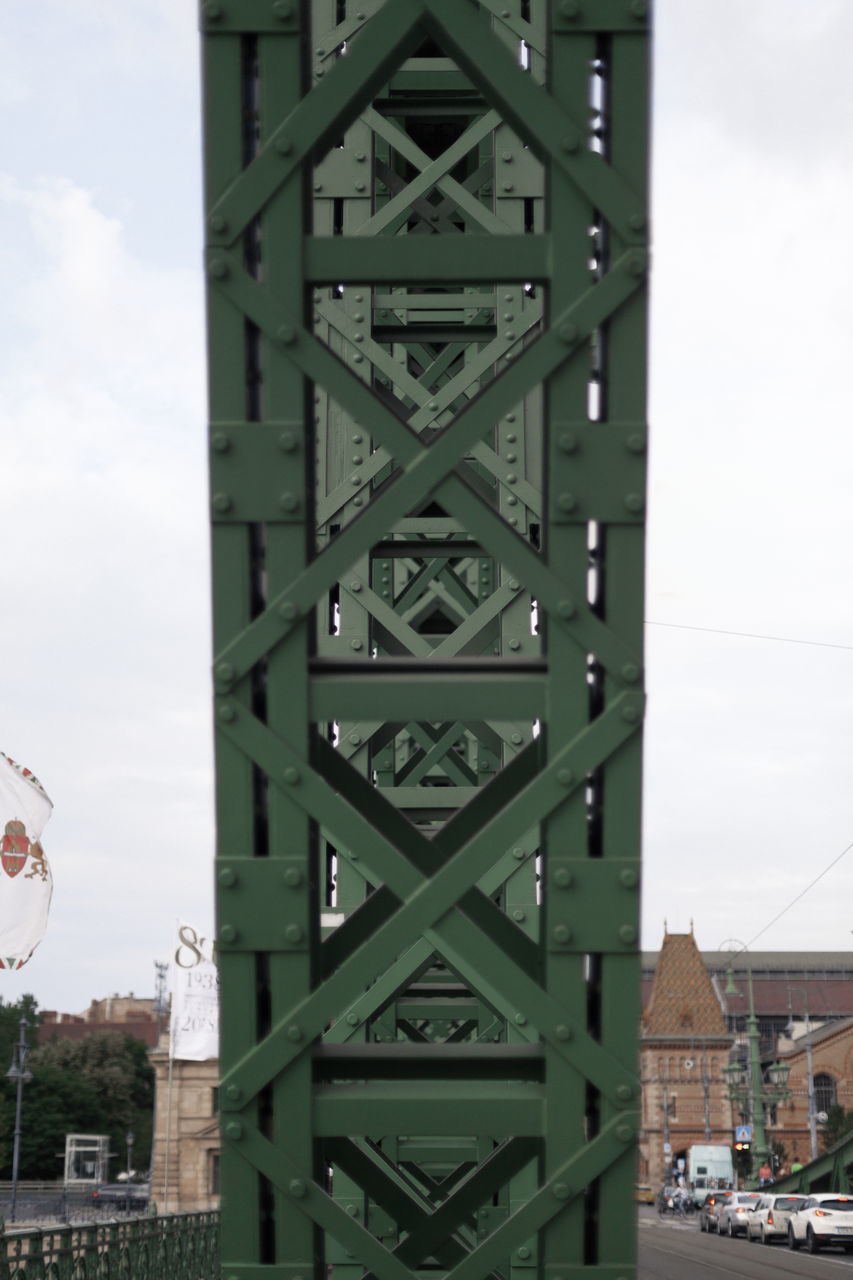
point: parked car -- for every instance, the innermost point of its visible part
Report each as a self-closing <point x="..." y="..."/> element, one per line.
<point x="132" y="1195"/>
<point x="825" y="1218"/>
<point x="710" y="1209"/>
<point x="734" y="1214"/>
<point x="770" y="1219"/>
<point x="643" y="1194"/>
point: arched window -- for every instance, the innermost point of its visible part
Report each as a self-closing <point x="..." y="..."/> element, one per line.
<point x="824" y="1092"/>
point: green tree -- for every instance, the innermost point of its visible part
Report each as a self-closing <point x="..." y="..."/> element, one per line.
<point x="838" y="1123"/>
<point x="113" y="1092"/>
<point x="10" y="1032"/>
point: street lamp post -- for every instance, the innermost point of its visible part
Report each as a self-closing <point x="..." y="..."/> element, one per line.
<point x="747" y="1087"/>
<point x="812" y="1112"/>
<point x="18" y="1072"/>
<point x="128" y="1137"/>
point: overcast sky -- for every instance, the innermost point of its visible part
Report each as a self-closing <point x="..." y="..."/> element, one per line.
<point x="102" y="409"/>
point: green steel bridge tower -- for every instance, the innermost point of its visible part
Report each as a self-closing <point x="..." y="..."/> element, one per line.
<point x="426" y="227"/>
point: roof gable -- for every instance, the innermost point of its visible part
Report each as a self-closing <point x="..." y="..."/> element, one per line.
<point x="683" y="1000"/>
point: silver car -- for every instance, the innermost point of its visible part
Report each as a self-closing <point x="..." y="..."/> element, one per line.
<point x="735" y="1213"/>
<point x="770" y="1219"/>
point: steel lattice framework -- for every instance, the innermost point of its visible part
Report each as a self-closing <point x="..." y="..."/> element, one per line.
<point x="427" y="262"/>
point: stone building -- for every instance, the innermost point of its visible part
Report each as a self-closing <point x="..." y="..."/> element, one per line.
<point x="832" y="1075"/>
<point x="684" y="1045"/>
<point x="185" y="1152"/>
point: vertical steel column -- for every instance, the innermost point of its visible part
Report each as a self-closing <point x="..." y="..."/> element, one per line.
<point x="426" y="227"/>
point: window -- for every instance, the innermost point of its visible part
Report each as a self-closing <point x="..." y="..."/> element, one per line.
<point x="213" y="1173"/>
<point x="824" y="1092"/>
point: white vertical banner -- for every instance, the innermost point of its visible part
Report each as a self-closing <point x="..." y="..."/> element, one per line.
<point x="26" y="883"/>
<point x="194" y="1028"/>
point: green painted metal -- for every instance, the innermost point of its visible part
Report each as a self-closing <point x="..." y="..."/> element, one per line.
<point x="182" y="1246"/>
<point x="427" y="259"/>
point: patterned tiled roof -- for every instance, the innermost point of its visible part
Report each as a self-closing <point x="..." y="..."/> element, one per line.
<point x="683" y="1001"/>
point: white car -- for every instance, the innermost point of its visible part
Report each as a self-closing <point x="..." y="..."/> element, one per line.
<point x="825" y="1218"/>
<point x="734" y="1214"/>
<point x="770" y="1219"/>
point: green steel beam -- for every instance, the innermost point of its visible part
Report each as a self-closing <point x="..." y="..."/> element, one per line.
<point x="426" y="261"/>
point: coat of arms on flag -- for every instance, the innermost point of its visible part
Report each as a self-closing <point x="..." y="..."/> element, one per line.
<point x="24" y="899"/>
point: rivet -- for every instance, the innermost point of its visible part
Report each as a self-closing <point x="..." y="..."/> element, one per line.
<point x="512" y="457"/>
<point x="291" y="775"/>
<point x="287" y="610"/>
<point x="563" y="1032"/>
<point x="218" y="223"/>
<point x="294" y="1032"/>
<point x="225" y="672"/>
<point x="563" y="877"/>
<point x="561" y="1191"/>
<point x="287" y="441"/>
<point x="562" y="933"/>
<point x="355" y="739"/>
<point x="514" y="584"/>
<point x="283" y="9"/>
<point x="517" y="739"/>
<point x="358" y="358"/>
<point x="356" y="644"/>
<point x="233" y="1093"/>
<point x="286" y="334"/>
<point x="288" y="502"/>
<point x="514" y="645"/>
<point x="293" y="933"/>
<point x="628" y="878"/>
<point x="506" y="156"/>
<point x="519" y="915"/>
<point x="630" y="714"/>
<point x="283" y="145"/>
<point x="213" y="12"/>
<point x="293" y="877"/>
<point x="352" y="1210"/>
<point x="512" y="478"/>
<point x="566" y="608"/>
<point x="627" y="934"/>
<point x="634" y="502"/>
<point x="630" y="672"/>
<point x="227" y="713"/>
<point x="360" y="186"/>
<point x="637" y="221"/>
<point x="624" y="1132"/>
<point x="228" y="933"/>
<point x="234" y="1131"/>
<point x="521" y="1020"/>
<point x="507" y="186"/>
<point x="355" y="585"/>
<point x="227" y="877"/>
<point x="639" y="8"/>
<point x="220" y="442"/>
<point x="636" y="263"/>
<point x="569" y="8"/>
<point x="523" y="1251"/>
<point x="567" y="332"/>
<point x="565" y="777"/>
<point x="518" y="853"/>
<point x="360" y="157"/>
<point x="568" y="442"/>
<point x="353" y="1019"/>
<point x="636" y="443"/>
<point x="570" y="143"/>
<point x="221" y="502"/>
<point x="296" y="1187"/>
<point x="357" y="438"/>
<point x="567" y="501"/>
<point x="318" y="187"/>
<point x="218" y="269"/>
<point x="624" y="1092"/>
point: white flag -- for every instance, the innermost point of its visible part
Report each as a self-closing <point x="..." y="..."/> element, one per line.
<point x="25" y="879"/>
<point x="194" y="1032"/>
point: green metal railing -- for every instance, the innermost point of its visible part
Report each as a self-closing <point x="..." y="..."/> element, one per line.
<point x="427" y="254"/>
<point x="180" y="1247"/>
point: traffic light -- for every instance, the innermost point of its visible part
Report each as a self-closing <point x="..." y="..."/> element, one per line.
<point x="743" y="1146"/>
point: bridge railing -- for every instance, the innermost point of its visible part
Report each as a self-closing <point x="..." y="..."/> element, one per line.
<point x="833" y="1171"/>
<point x="178" y="1247"/>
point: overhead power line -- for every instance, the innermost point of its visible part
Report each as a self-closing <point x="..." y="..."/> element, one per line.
<point x="748" y="635"/>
